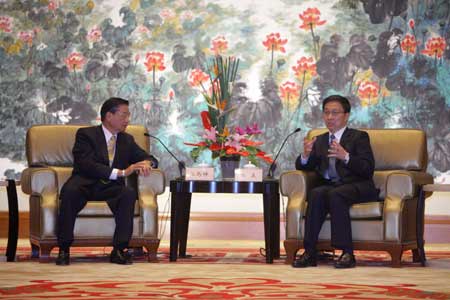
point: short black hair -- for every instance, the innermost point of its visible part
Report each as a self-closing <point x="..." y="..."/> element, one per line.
<point x="338" y="98"/>
<point x="111" y="105"/>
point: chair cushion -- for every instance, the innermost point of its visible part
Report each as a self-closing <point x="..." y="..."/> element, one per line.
<point x="367" y="210"/>
<point x="100" y="209"/>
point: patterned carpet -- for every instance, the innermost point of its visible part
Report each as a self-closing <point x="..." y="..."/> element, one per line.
<point x="222" y="273"/>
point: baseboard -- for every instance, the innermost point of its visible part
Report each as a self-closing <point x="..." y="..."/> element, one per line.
<point x="236" y="226"/>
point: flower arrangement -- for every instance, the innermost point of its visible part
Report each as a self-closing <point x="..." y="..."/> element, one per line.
<point x="217" y="136"/>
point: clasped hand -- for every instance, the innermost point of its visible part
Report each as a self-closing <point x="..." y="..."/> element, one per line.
<point x="142" y="168"/>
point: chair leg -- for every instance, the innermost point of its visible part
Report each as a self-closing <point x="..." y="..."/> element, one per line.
<point x="396" y="256"/>
<point x="44" y="255"/>
<point x="291" y="247"/>
<point x="416" y="255"/>
<point x="34" y="251"/>
<point x="152" y="249"/>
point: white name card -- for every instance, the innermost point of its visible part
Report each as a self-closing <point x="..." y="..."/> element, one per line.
<point x="200" y="173"/>
<point x="248" y="174"/>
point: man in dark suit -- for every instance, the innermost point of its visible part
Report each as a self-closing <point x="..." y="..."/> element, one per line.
<point x="344" y="159"/>
<point x="103" y="156"/>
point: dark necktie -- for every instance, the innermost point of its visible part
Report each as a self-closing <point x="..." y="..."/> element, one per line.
<point x="332" y="173"/>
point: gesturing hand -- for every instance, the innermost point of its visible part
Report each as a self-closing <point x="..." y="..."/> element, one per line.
<point x="307" y="147"/>
<point x="336" y="150"/>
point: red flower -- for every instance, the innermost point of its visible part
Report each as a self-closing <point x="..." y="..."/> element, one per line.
<point x="215" y="147"/>
<point x="289" y="90"/>
<point x="245" y="142"/>
<point x="274" y="42"/>
<point x="75" y="61"/>
<point x="206" y="120"/>
<point x="26" y="37"/>
<point x="305" y="67"/>
<point x="435" y="47"/>
<point x="411" y="23"/>
<point x="197" y="77"/>
<point x="5" y="23"/>
<point x="368" y="92"/>
<point x="409" y="44"/>
<point x="311" y="18"/>
<point x="219" y="45"/>
<point x="154" y="61"/>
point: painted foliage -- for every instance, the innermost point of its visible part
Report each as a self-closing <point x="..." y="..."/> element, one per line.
<point x="61" y="59"/>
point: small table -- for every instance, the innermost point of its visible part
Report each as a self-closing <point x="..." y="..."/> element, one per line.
<point x="13" y="216"/>
<point x="420" y="215"/>
<point x="181" y="205"/>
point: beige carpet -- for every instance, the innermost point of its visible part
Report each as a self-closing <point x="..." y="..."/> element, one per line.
<point x="435" y="277"/>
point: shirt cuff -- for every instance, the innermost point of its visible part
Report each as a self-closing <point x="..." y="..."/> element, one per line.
<point x="304" y="160"/>
<point x="347" y="158"/>
<point x="113" y="175"/>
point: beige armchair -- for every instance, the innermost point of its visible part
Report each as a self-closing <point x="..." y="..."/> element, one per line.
<point x="387" y="225"/>
<point x="49" y="155"/>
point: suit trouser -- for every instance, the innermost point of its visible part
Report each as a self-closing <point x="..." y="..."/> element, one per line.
<point x="74" y="196"/>
<point x="336" y="201"/>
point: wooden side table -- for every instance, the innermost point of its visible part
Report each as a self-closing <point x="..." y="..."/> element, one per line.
<point x="420" y="215"/>
<point x="13" y="216"/>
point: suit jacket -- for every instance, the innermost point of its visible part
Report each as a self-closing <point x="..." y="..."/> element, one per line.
<point x="359" y="169"/>
<point x="90" y="154"/>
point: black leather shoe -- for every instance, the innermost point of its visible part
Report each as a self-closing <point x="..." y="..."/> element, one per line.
<point x="305" y="260"/>
<point x="345" y="261"/>
<point x="120" y="257"/>
<point x="63" y="258"/>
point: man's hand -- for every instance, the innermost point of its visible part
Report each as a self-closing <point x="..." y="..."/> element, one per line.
<point x="142" y="168"/>
<point x="307" y="147"/>
<point x="336" y="150"/>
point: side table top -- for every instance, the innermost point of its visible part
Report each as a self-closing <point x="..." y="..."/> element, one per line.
<point x="436" y="187"/>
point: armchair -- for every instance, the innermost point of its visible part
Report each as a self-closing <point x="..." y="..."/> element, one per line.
<point x="394" y="223"/>
<point x="49" y="155"/>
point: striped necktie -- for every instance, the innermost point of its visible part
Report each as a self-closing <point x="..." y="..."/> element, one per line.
<point x="332" y="173"/>
<point x="111" y="148"/>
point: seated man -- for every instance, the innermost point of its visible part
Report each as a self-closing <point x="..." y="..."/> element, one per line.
<point x="343" y="158"/>
<point x="103" y="156"/>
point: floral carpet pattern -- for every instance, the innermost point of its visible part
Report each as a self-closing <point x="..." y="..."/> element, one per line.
<point x="211" y="288"/>
<point x="222" y="273"/>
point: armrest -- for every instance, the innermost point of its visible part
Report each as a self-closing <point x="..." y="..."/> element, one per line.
<point x="401" y="186"/>
<point x="294" y="185"/>
<point x="148" y="188"/>
<point x="42" y="185"/>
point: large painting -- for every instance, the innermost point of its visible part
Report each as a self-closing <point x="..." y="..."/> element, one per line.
<point x="60" y="59"/>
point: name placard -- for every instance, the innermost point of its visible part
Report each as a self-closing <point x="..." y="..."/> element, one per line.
<point x="248" y="174"/>
<point x="200" y="173"/>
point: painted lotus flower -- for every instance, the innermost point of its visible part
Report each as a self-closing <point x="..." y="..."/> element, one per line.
<point x="368" y="92"/>
<point x="409" y="44"/>
<point x="274" y="42"/>
<point x="5" y="24"/>
<point x="310" y="18"/>
<point x="219" y="45"/>
<point x="434" y="47"/>
<point x="305" y="68"/>
<point x="289" y="92"/>
<point x="94" y="35"/>
<point x="75" y="61"/>
<point x="154" y="61"/>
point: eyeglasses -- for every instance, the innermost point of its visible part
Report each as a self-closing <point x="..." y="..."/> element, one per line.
<point x="123" y="115"/>
<point x="332" y="113"/>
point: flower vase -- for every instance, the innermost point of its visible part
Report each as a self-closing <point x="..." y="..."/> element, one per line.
<point x="227" y="166"/>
